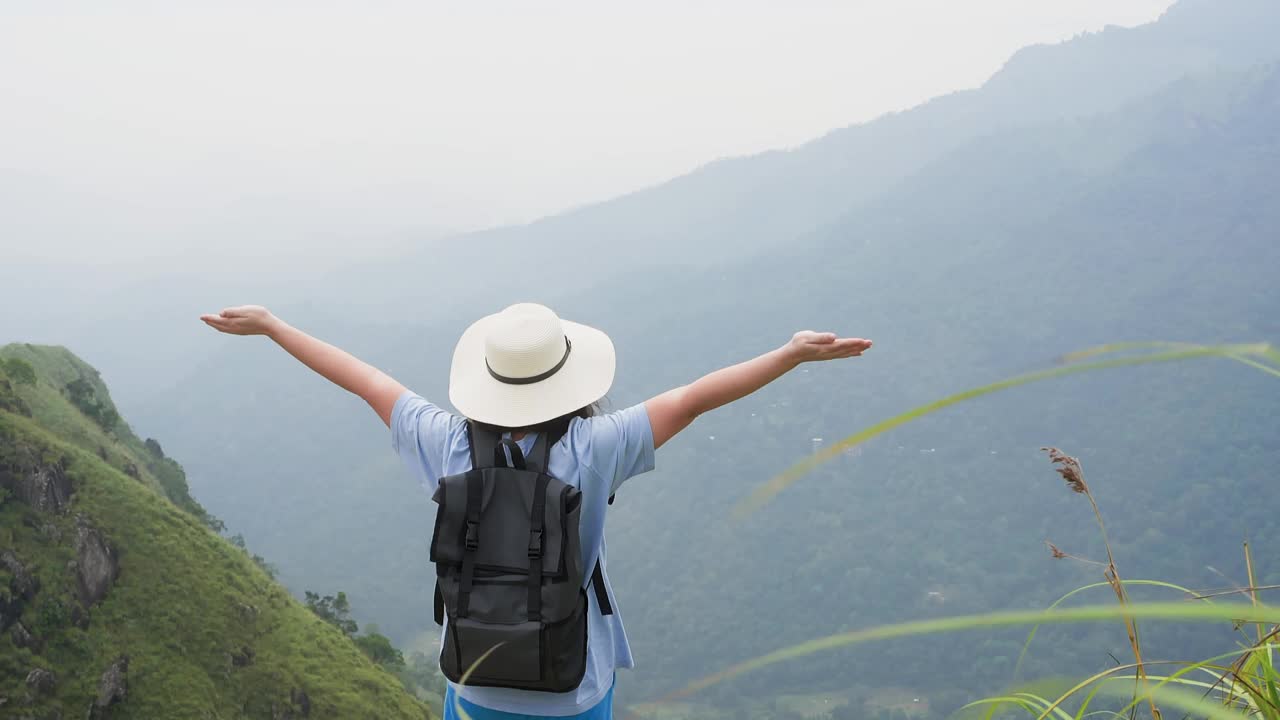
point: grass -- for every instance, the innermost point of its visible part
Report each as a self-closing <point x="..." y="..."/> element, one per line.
<point x="1242" y="683"/>
<point x="47" y="400"/>
<point x="185" y="603"/>
<point x="1258" y="356"/>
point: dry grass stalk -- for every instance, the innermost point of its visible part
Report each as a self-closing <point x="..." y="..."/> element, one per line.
<point x="1070" y="470"/>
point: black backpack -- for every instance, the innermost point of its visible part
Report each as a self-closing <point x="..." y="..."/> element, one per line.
<point x="510" y="587"/>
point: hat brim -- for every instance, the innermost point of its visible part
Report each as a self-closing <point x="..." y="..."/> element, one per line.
<point x="585" y="377"/>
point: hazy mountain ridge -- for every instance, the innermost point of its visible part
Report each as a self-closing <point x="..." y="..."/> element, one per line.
<point x="1172" y="242"/>
<point x="737" y="207"/>
<point x="729" y="209"/>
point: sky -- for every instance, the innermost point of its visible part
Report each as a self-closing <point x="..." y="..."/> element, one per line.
<point x="133" y="131"/>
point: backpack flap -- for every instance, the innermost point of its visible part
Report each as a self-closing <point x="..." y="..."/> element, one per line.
<point x="502" y="539"/>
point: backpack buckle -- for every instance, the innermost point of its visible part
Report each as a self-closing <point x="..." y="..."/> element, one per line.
<point x="473" y="535"/>
<point x="535" y="544"/>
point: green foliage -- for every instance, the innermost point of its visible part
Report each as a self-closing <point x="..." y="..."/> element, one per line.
<point x="421" y="675"/>
<point x="379" y="649"/>
<point x="81" y="394"/>
<point x="207" y="632"/>
<point x="19" y="370"/>
<point x="67" y="393"/>
<point x="238" y="541"/>
<point x="333" y="609"/>
<point x="9" y="398"/>
<point x="52" y="615"/>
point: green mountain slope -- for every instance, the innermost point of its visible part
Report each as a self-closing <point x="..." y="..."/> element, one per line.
<point x="116" y="602"/>
<point x="69" y="398"/>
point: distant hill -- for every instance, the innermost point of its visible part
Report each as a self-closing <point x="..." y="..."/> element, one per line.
<point x="116" y="598"/>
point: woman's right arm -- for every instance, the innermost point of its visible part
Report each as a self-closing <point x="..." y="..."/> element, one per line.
<point x="674" y="410"/>
<point x="334" y="364"/>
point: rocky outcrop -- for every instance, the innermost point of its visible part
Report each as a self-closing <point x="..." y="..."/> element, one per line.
<point x="301" y="701"/>
<point x="299" y="706"/>
<point x="241" y="658"/>
<point x="41" y="681"/>
<point x="22" y="589"/>
<point x="22" y="637"/>
<point x="10" y="609"/>
<point x="23" y="583"/>
<point x="97" y="565"/>
<point x="46" y="488"/>
<point x="112" y="689"/>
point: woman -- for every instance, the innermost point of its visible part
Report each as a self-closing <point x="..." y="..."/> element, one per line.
<point x="522" y="371"/>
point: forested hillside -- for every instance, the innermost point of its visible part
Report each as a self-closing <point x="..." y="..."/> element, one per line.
<point x="116" y="598"/>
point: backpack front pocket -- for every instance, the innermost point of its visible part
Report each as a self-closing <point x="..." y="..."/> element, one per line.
<point x="500" y="654"/>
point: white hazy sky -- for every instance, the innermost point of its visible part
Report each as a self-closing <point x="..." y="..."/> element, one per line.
<point x="375" y="117"/>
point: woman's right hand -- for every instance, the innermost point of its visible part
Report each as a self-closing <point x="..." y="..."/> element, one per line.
<point x="243" y="320"/>
<point x="808" y="346"/>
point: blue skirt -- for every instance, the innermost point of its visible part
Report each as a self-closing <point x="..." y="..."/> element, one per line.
<point x="603" y="710"/>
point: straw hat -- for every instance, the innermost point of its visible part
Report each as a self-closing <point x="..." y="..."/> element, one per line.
<point x="525" y="365"/>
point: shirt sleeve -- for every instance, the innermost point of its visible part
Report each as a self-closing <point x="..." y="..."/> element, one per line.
<point x="421" y="434"/>
<point x="621" y="445"/>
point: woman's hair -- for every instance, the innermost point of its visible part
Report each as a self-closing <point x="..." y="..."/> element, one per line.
<point x="560" y="423"/>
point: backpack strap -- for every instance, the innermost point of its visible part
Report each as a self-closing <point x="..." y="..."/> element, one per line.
<point x="475" y="497"/>
<point x="439" y="605"/>
<point x="483" y="444"/>
<point x="536" y="522"/>
<point x="602" y="595"/>
<point x="537" y="518"/>
<point x="547" y="440"/>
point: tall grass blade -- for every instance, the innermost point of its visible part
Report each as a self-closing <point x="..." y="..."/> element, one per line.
<point x="457" y="699"/>
<point x="1017" y="667"/>
<point x="1191" y="703"/>
<point x="1199" y="612"/>
<point x="766" y="492"/>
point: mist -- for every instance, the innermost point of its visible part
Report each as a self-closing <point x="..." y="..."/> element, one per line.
<point x="181" y="135"/>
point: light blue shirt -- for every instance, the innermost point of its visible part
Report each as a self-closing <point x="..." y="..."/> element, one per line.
<point x="596" y="455"/>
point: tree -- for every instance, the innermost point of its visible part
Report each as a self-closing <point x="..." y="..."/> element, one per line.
<point x="422" y="673"/>
<point x="19" y="370"/>
<point x="379" y="649"/>
<point x="81" y="394"/>
<point x="335" y="610"/>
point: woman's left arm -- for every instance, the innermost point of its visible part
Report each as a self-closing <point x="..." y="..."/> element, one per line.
<point x="334" y="364"/>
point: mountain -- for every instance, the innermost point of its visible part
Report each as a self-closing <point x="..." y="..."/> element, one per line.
<point x="726" y="211"/>
<point x="736" y="208"/>
<point x="1002" y="256"/>
<point x="1116" y="187"/>
<point x="117" y="600"/>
